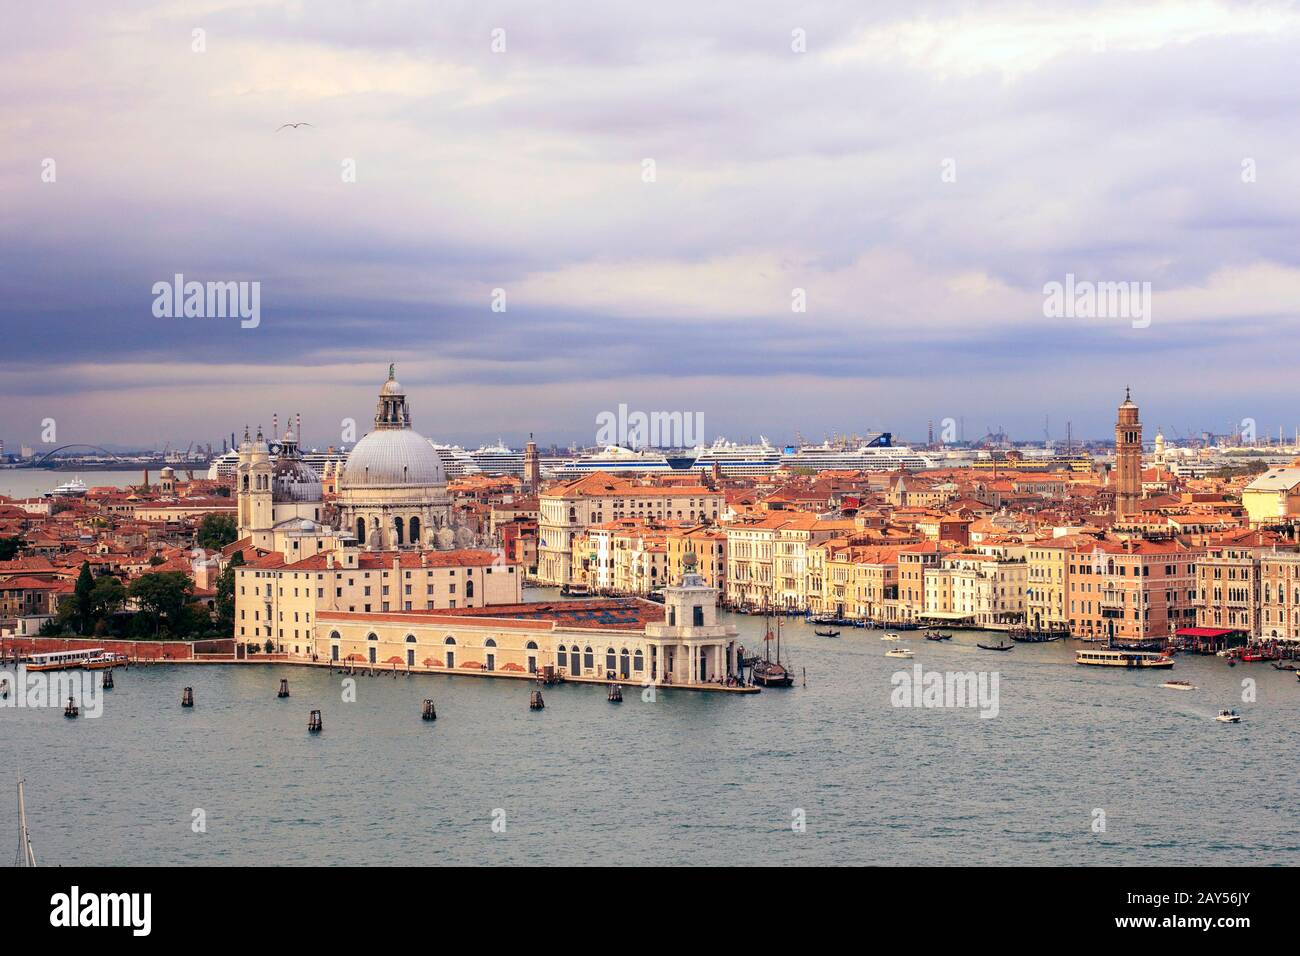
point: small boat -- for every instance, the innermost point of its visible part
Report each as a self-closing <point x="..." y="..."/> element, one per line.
<point x="103" y="662"/>
<point x="1228" y="717"/>
<point x="1278" y="665"/>
<point x="1179" y="685"/>
<point x="827" y="633"/>
<point x="937" y="636"/>
<point x="903" y="652"/>
<point x="769" y="671"/>
<point x="995" y="647"/>
<point x="890" y="636"/>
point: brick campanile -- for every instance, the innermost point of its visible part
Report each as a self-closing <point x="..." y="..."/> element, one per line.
<point x="1128" y="459"/>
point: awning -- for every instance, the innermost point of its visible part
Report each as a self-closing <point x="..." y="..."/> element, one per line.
<point x="1205" y="631"/>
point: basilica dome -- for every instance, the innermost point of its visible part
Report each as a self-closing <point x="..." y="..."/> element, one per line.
<point x="393" y="457"/>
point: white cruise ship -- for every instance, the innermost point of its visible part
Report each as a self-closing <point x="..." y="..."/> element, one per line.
<point x="223" y="466"/>
<point x="498" y="460"/>
<point x="456" y="461"/>
<point x="876" y="455"/>
<point x="738" y="460"/>
<point x="615" y="460"/>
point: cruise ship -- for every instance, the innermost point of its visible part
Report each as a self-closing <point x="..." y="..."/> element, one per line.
<point x="223" y="467"/>
<point x="615" y="460"/>
<point x="456" y="461"/>
<point x="498" y="460"/>
<point x="739" y="460"/>
<point x="878" y="454"/>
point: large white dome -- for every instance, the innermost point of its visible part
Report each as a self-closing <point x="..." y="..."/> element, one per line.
<point x="393" y="457"/>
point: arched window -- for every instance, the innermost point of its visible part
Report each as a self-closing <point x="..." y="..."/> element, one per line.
<point x="588" y="658"/>
<point x="531" y="645"/>
<point x="625" y="663"/>
<point x="398" y="527"/>
<point x="561" y="657"/>
<point x="410" y="638"/>
<point x="245" y="482"/>
<point x="361" y="531"/>
<point x="610" y="661"/>
<point x="469" y="588"/>
<point x="449" y="640"/>
<point x="372" y="637"/>
<point x="415" y="531"/>
<point x="490" y="643"/>
<point x="638" y="662"/>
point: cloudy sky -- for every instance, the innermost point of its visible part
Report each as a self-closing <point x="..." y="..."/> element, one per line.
<point x="920" y="170"/>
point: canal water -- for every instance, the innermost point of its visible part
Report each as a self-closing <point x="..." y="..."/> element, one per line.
<point x="1080" y="766"/>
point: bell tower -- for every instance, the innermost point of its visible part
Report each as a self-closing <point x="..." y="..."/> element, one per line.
<point x="1128" y="459"/>
<point x="253" y="478"/>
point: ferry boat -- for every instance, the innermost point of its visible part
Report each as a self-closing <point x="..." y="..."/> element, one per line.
<point x="616" y="460"/>
<point x="739" y="460"/>
<point x="902" y="652"/>
<point x="62" y="660"/>
<point x="878" y="454"/>
<point x="1228" y="717"/>
<point x="104" y="662"/>
<point x="74" y="488"/>
<point x="1179" y="685"/>
<point x="1118" y="658"/>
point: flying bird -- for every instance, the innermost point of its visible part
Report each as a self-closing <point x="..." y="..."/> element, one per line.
<point x="294" y="125"/>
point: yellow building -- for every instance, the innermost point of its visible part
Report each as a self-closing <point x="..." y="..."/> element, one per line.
<point x="281" y="602"/>
<point x="679" y="644"/>
<point x="1273" y="497"/>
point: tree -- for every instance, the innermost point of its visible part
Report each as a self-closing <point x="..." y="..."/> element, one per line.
<point x="216" y="531"/>
<point x="82" y="610"/>
<point x="226" y="596"/>
<point x="162" y="596"/>
<point x="9" y="548"/>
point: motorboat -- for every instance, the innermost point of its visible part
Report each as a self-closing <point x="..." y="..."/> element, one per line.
<point x="1228" y="717"/>
<point x="1179" y="685"/>
<point x="890" y="636"/>
<point x="903" y="652"/>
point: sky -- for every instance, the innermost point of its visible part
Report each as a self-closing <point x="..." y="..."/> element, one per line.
<point x="647" y="193"/>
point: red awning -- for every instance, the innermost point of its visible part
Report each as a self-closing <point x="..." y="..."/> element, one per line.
<point x="1204" y="631"/>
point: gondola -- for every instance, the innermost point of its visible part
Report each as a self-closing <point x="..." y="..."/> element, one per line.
<point x="937" y="636"/>
<point x="995" y="647"/>
<point x="827" y="633"/>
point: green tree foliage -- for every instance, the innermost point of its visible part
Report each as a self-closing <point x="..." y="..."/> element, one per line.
<point x="162" y="597"/>
<point x="226" y="596"/>
<point x="216" y="531"/>
<point x="9" y="548"/>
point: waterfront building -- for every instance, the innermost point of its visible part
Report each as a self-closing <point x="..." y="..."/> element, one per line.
<point x="1132" y="590"/>
<point x="1279" y="595"/>
<point x="567" y="510"/>
<point x="1046" y="585"/>
<point x="393" y="493"/>
<point x="679" y="643"/>
<point x="978" y="590"/>
<point x="1229" y="581"/>
<point x="281" y="600"/>
<point x="1128" y="459"/>
<point x="913" y="563"/>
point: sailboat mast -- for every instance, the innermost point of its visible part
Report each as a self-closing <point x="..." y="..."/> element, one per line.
<point x="26" y="855"/>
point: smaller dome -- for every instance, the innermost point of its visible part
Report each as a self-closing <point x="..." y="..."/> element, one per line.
<point x="392" y="387"/>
